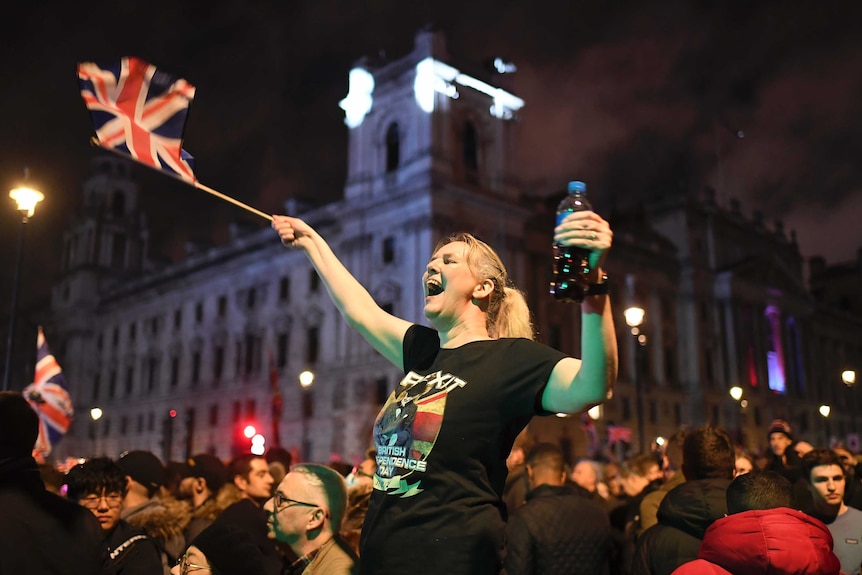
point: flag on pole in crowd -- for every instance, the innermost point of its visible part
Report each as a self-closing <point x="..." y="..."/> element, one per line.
<point x="618" y="433"/>
<point x="140" y="111"/>
<point x="277" y="403"/>
<point x="49" y="397"/>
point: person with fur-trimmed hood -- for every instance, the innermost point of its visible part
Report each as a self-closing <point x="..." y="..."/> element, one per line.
<point x="202" y="478"/>
<point x="163" y="518"/>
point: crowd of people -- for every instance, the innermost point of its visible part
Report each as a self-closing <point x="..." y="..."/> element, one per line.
<point x="447" y="487"/>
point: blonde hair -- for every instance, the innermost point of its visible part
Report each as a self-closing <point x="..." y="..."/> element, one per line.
<point x="507" y="313"/>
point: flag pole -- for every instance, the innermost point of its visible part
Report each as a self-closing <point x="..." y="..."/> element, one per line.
<point x="95" y="141"/>
<point x="238" y="203"/>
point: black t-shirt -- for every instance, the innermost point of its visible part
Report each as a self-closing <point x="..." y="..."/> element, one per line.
<point x="442" y="440"/>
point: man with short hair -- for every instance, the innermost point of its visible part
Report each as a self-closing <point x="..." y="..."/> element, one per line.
<point x="99" y="485"/>
<point x="708" y="458"/>
<point x="164" y="519"/>
<point x="202" y="477"/>
<point x="825" y="475"/>
<point x="762" y="535"/>
<point x="40" y="532"/>
<point x="250" y="474"/>
<point x="306" y="514"/>
<point x="557" y="531"/>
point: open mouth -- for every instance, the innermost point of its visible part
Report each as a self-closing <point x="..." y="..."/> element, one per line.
<point x="433" y="288"/>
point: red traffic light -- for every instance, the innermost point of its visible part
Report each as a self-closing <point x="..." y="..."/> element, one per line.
<point x="172" y="413"/>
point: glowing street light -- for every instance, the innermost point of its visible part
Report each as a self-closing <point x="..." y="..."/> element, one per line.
<point x="249" y="431"/>
<point x="96" y="413"/>
<point x="634" y="318"/>
<point x="25" y="199"/>
<point x="306" y="378"/>
<point x="736" y="392"/>
<point x="848" y="376"/>
<point x="825" y="410"/>
<point x="595" y="412"/>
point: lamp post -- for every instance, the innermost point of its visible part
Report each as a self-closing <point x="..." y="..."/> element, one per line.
<point x="825" y="410"/>
<point x="735" y="393"/>
<point x="26" y="200"/>
<point x="95" y="415"/>
<point x="306" y="379"/>
<point x="848" y="376"/>
<point x="634" y="318"/>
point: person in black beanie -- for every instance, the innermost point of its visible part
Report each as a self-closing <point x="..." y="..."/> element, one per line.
<point x="41" y="531"/>
<point x="224" y="550"/>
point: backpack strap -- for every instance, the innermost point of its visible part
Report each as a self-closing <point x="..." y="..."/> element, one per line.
<point x="126" y="544"/>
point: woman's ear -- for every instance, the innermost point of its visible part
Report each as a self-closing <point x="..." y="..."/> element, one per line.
<point x="483" y="290"/>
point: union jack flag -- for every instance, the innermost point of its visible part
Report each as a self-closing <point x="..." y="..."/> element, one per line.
<point x="619" y="433"/>
<point x="140" y="111"/>
<point x="49" y="397"/>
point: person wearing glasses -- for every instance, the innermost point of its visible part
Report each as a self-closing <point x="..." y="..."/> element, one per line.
<point x="221" y="549"/>
<point x="306" y="514"/>
<point x="100" y="486"/>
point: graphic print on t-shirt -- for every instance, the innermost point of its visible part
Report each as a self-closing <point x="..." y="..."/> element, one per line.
<point x="407" y="428"/>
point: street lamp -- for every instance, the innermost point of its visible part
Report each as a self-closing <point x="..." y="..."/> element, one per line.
<point x="736" y="392"/>
<point x="825" y="410"/>
<point x="26" y="200"/>
<point x="848" y="376"/>
<point x="306" y="379"/>
<point x="634" y="318"/>
<point x="96" y="414"/>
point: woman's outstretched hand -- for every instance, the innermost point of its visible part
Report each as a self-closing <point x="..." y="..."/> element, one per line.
<point x="294" y="232"/>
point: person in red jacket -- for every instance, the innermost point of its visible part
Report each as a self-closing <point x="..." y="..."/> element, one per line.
<point x="761" y="534"/>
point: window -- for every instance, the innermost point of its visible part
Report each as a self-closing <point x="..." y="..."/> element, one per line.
<point x="670" y="365"/>
<point x="133" y="331"/>
<point x="388" y="250"/>
<point x="677" y="414"/>
<point x="118" y="251"/>
<point x="99" y="342"/>
<point x="152" y="372"/>
<point x="312" y="345"/>
<point x="124" y="425"/>
<point x="715" y="419"/>
<point x="218" y="362"/>
<point x="115" y="337"/>
<point x="250" y="408"/>
<point x="118" y="204"/>
<point x="213" y="415"/>
<point x="199" y="312"/>
<point x="175" y="371"/>
<point x="281" y="360"/>
<point x="284" y="289"/>
<point x="151" y="421"/>
<point x="251" y="298"/>
<point x="237" y="412"/>
<point x="250" y="354"/>
<point x="140" y="425"/>
<point x="471" y="148"/>
<point x="313" y="281"/>
<point x="106" y="428"/>
<point x="178" y="318"/>
<point x="196" y="367"/>
<point x="112" y="384"/>
<point x="653" y="412"/>
<point x="97" y="380"/>
<point x="393" y="148"/>
<point x="130" y="380"/>
<point x="222" y="306"/>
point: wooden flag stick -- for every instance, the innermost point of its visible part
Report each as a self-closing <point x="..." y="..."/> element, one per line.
<point x="238" y="203"/>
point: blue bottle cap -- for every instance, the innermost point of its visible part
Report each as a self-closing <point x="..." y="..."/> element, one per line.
<point x="577" y="186"/>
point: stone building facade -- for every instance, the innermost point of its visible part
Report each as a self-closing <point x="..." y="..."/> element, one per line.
<point x="181" y="358"/>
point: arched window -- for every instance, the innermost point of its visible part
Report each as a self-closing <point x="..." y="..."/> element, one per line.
<point x="471" y="147"/>
<point x="393" y="148"/>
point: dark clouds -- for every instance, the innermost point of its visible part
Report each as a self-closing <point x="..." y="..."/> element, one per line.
<point x="633" y="97"/>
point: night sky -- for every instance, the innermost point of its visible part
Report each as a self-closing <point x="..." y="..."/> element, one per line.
<point x="634" y="98"/>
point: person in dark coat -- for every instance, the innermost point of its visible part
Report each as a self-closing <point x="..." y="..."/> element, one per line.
<point x="761" y="534"/>
<point x="40" y="532"/>
<point x="557" y="531"/>
<point x="689" y="509"/>
<point x="99" y="485"/>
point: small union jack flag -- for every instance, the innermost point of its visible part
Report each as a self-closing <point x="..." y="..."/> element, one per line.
<point x="140" y="111"/>
<point x="49" y="397"/>
<point x="619" y="433"/>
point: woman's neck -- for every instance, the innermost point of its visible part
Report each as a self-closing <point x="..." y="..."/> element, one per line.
<point x="463" y="332"/>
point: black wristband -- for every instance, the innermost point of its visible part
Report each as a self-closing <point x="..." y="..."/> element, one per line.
<point x="600" y="288"/>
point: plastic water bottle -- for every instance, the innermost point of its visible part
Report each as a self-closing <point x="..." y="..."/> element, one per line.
<point x="571" y="264"/>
